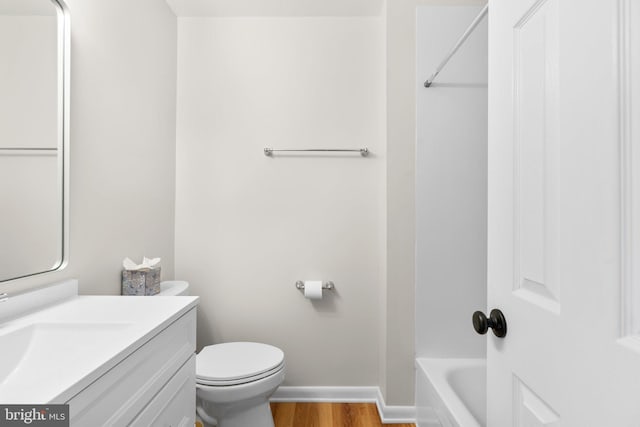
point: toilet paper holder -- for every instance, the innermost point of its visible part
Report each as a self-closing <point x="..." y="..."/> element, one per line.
<point x="325" y="285"/>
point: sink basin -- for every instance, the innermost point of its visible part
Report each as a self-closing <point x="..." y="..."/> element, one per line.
<point x="55" y="343"/>
<point x="42" y="352"/>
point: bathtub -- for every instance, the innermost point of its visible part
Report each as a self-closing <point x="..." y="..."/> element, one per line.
<point x="451" y="392"/>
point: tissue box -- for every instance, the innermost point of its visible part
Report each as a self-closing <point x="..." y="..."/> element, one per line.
<point x="141" y="282"/>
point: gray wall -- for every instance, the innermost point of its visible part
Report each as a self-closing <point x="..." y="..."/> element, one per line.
<point x="123" y="180"/>
<point x="123" y="68"/>
<point x="248" y="226"/>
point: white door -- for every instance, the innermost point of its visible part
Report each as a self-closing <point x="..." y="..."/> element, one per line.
<point x="564" y="213"/>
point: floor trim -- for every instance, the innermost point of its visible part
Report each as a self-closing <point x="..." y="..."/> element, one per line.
<point x="388" y="414"/>
<point x="394" y="414"/>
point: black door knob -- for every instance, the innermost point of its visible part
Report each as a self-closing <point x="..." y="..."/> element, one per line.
<point x="495" y="321"/>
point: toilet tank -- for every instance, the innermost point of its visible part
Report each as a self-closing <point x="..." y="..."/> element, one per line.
<point x="174" y="288"/>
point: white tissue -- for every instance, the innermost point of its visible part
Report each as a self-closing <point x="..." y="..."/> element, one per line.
<point x="313" y="289"/>
<point x="147" y="264"/>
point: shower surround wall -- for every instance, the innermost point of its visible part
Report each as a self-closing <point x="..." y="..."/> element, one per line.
<point x="248" y="226"/>
<point x="397" y="367"/>
<point x="451" y="186"/>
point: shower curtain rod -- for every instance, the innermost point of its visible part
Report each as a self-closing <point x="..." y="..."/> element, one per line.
<point x="459" y="43"/>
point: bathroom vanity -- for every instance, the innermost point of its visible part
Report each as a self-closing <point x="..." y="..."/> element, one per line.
<point x="115" y="360"/>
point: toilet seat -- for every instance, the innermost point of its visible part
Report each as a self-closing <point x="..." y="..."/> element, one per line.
<point x="237" y="363"/>
<point x="239" y="381"/>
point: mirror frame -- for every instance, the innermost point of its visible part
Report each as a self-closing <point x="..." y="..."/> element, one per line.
<point x="64" y="83"/>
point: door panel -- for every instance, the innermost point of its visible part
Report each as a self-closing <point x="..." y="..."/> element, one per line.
<point x="530" y="410"/>
<point x="562" y="258"/>
<point x="630" y="156"/>
<point x="536" y="141"/>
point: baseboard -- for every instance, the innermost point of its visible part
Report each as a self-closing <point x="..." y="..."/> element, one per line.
<point x="388" y="414"/>
<point x="325" y="394"/>
<point x="394" y="414"/>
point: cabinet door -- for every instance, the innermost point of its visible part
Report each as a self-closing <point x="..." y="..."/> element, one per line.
<point x="175" y="404"/>
<point x="122" y="393"/>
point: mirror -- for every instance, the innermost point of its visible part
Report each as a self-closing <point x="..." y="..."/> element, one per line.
<point x="34" y="75"/>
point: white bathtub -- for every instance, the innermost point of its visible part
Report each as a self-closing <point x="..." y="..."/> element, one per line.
<point x="451" y="392"/>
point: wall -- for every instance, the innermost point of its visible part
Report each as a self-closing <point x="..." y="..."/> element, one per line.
<point x="123" y="68"/>
<point x="451" y="184"/>
<point x="248" y="226"/>
<point x="29" y="81"/>
<point x="32" y="220"/>
<point x="122" y="93"/>
<point x="397" y="370"/>
<point x="275" y="8"/>
<point x="29" y="189"/>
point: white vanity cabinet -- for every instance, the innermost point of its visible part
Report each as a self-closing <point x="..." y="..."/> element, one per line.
<point x="152" y="386"/>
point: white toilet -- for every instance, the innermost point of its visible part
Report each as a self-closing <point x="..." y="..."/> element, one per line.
<point x="234" y="380"/>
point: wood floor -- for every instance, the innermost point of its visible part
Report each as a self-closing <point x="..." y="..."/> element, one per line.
<point x="296" y="414"/>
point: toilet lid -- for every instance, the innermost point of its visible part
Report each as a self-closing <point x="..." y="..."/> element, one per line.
<point x="236" y="362"/>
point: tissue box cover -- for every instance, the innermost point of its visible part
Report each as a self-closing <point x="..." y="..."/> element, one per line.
<point x="142" y="282"/>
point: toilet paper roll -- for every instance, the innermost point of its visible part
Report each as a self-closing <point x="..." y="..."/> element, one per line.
<point x="313" y="289"/>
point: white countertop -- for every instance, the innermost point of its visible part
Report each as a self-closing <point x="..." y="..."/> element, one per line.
<point x="51" y="354"/>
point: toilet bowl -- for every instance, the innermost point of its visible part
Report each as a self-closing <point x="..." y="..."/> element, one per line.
<point x="234" y="380"/>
